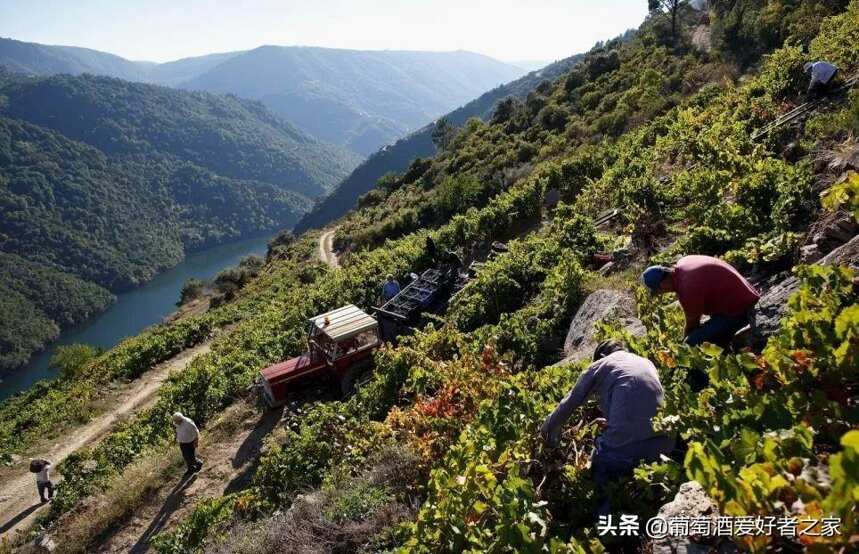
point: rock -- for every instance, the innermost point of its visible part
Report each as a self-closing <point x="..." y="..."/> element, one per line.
<point x="771" y="308"/>
<point x="304" y="503"/>
<point x="600" y="306"/>
<point x="847" y="254"/>
<point x="810" y="253"/>
<point x="792" y="152"/>
<point x="606" y="269"/>
<point x="831" y="232"/>
<point x="773" y="304"/>
<point x="691" y="501"/>
<point x="45" y="543"/>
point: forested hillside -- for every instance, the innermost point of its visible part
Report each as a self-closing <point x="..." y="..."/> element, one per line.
<point x="232" y="137"/>
<point x="396" y="157"/>
<point x="41" y="59"/>
<point x="361" y="100"/>
<point x="107" y="182"/>
<point x="440" y="451"/>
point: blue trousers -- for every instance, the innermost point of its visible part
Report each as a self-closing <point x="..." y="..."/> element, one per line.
<point x="611" y="464"/>
<point x="719" y="330"/>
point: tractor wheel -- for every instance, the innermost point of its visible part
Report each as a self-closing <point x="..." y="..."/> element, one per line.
<point x="347" y="384"/>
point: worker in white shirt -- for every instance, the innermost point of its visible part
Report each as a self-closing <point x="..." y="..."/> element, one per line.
<point x="187" y="435"/>
<point x="822" y="78"/>
<point x="42" y="470"/>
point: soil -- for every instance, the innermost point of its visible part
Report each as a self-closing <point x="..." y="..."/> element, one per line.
<point x="326" y="248"/>
<point x="230" y="453"/>
<point x="19" y="501"/>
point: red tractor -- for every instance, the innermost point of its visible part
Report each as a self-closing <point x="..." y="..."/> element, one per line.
<point x="340" y="346"/>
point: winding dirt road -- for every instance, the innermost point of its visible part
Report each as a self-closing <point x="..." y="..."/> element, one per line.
<point x="326" y="248"/>
<point x="19" y="501"/>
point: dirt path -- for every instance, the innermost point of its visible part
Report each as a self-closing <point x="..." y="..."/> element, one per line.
<point x="326" y="248"/>
<point x="230" y="453"/>
<point x="19" y="502"/>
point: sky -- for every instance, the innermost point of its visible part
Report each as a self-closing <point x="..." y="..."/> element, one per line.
<point x="164" y="30"/>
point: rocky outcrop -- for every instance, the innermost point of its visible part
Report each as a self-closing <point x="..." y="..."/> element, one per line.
<point x="773" y="304"/>
<point x="45" y="543"/>
<point x="691" y="501"/>
<point x="834" y="230"/>
<point x="847" y="254"/>
<point x="602" y="305"/>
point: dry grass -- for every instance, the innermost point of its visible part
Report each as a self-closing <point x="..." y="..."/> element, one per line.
<point x="103" y="515"/>
<point x="82" y="528"/>
<point x="356" y="514"/>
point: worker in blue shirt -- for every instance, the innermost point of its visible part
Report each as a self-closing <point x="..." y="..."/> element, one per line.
<point x="630" y="394"/>
<point x="390" y="289"/>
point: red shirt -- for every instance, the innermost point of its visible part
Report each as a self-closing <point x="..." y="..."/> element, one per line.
<point x="708" y="286"/>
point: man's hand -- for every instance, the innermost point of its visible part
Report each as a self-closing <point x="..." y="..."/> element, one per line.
<point x="552" y="435"/>
<point x="601" y="422"/>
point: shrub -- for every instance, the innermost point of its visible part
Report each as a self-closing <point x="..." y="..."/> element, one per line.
<point x="72" y="360"/>
<point x="192" y="289"/>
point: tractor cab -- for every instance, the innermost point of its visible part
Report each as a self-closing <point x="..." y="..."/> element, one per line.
<point x="340" y="344"/>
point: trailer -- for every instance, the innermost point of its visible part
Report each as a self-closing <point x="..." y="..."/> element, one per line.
<point x="428" y="293"/>
<point x="340" y="345"/>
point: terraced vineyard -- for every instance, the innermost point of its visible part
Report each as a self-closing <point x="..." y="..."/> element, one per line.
<point x="440" y="451"/>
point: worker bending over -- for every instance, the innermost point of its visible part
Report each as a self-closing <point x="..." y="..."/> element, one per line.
<point x="629" y="393"/>
<point x="822" y="78"/>
<point x="706" y="286"/>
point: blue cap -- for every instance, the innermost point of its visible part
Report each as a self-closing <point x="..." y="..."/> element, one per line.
<point x="653" y="276"/>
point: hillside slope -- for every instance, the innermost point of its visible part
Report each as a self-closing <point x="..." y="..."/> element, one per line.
<point x="106" y="183"/>
<point x="397" y="157"/>
<point x="235" y="138"/>
<point x="440" y="450"/>
<point x="359" y="99"/>
<point x="41" y="59"/>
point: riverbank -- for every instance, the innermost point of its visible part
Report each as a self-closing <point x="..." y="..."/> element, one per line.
<point x="134" y="310"/>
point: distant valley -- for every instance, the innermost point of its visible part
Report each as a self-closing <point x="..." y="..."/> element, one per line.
<point x="360" y="100"/>
<point x="104" y="183"/>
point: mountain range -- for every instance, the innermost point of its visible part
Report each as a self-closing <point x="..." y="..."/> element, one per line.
<point x="358" y="99"/>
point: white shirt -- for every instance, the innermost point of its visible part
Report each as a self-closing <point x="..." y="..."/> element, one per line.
<point x="42" y="476"/>
<point x="822" y="72"/>
<point x="186" y="431"/>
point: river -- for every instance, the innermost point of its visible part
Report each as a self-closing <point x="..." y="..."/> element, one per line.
<point x="134" y="310"/>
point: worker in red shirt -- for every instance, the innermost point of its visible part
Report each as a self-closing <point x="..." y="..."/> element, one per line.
<point x="706" y="286"/>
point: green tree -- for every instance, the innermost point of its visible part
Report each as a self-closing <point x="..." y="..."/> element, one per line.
<point x="191" y="290"/>
<point x="671" y="7"/>
<point x="443" y="133"/>
<point x="72" y="359"/>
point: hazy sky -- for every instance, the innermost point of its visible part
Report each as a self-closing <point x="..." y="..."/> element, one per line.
<point x="162" y="30"/>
